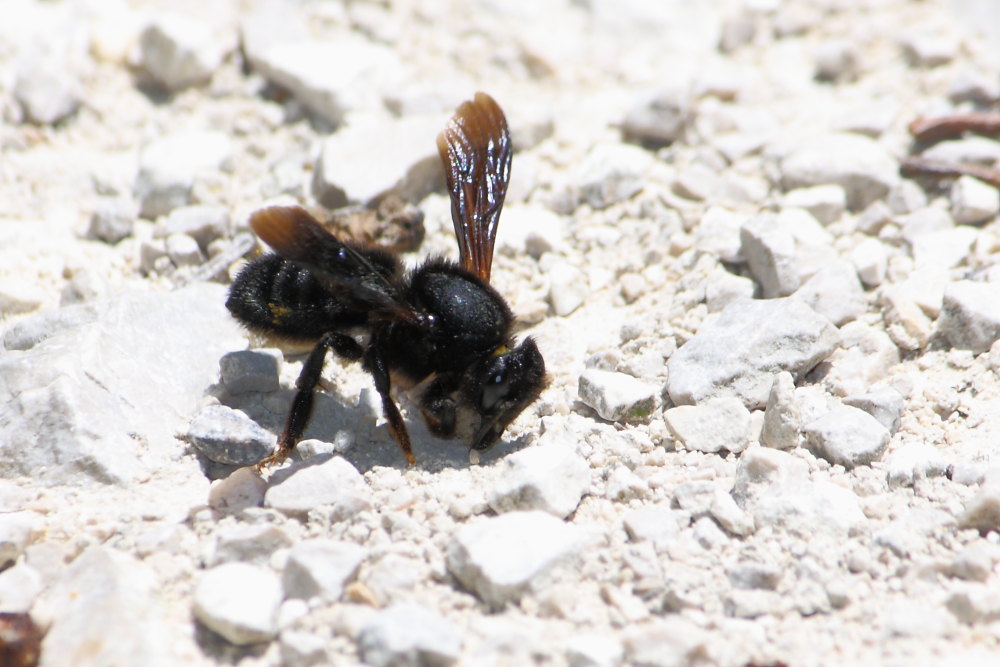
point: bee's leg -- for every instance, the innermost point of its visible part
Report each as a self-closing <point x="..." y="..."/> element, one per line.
<point x="375" y="364"/>
<point x="298" y="416"/>
<point x="438" y="406"/>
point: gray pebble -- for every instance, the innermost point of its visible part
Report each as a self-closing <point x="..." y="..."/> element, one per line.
<point x="846" y="436"/>
<point x="228" y="436"/>
<point x="321" y="568"/>
<point x="751" y="576"/>
<point x="970" y="315"/>
<point x="257" y="370"/>
<point x="320" y="480"/>
<point x="977" y="603"/>
<point x="409" y="634"/>
<point x="501" y="559"/>
<point x="738" y="354"/>
<point x="112" y="219"/>
<point x="239" y="602"/>
<point x="551" y="478"/>
<point x="718" y="232"/>
<point x="836" y="60"/>
<point x="615" y="396"/>
<point x="657" y="119"/>
<point x="982" y="511"/>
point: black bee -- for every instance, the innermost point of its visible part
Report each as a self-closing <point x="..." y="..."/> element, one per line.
<point x="441" y="322"/>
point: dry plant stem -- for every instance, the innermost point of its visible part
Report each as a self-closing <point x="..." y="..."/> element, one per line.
<point x="949" y="127"/>
<point x="918" y="166"/>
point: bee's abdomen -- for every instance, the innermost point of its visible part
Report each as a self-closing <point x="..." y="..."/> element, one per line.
<point x="277" y="297"/>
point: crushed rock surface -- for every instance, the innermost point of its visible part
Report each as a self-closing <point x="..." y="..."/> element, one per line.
<point x="821" y="490"/>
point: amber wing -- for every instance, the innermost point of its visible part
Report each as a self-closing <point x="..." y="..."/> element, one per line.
<point x="476" y="152"/>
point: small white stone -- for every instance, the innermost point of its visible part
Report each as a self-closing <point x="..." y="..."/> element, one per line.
<point x="568" y="288"/>
<point x="530" y="229"/>
<point x="551" y="478"/>
<point x="615" y="396"/>
<point x="333" y="77"/>
<point x="183" y="250"/>
<point x="239" y="602"/>
<point x="407" y="163"/>
<point x="47" y="88"/>
<point x="836" y="60"/>
<point x="673" y="640"/>
<point x="782" y="419"/>
<point x="973" y="202"/>
<point x="729" y="515"/>
<point x="975" y="562"/>
<point x="501" y="559"/>
<point x="977" y="603"/>
<point x="17" y="530"/>
<point x="321" y="480"/>
<point x="860" y="165"/>
<point x="835" y="292"/>
<point x="718" y="232"/>
<point x="19" y="587"/>
<point x="248" y="544"/>
<point x="653" y="523"/>
<point x="409" y="634"/>
<point x="594" y="651"/>
<point x="321" y="567"/>
<point x="303" y="649"/>
<point x="241" y="489"/>
<point x="929" y="48"/>
<point x="178" y="52"/>
<point x="871" y="260"/>
<point x="611" y="173"/>
<point x="847" y="436"/>
<point x="170" y="165"/>
<point x="825" y="202"/>
<point x="970" y="315"/>
<point x="717" y="424"/>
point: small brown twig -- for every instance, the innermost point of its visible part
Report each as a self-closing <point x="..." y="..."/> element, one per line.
<point x="919" y="166"/>
<point x="955" y="125"/>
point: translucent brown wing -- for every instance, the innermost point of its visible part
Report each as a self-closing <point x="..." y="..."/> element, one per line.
<point x="475" y="149"/>
<point x="297" y="237"/>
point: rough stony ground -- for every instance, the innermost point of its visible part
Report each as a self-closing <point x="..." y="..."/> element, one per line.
<point x="804" y="478"/>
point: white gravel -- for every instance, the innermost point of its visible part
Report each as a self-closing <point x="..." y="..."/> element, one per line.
<point x="771" y="430"/>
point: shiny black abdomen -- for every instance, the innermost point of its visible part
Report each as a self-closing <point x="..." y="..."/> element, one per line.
<point x="275" y="296"/>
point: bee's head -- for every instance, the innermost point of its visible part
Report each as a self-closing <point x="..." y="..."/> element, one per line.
<point x="501" y="386"/>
